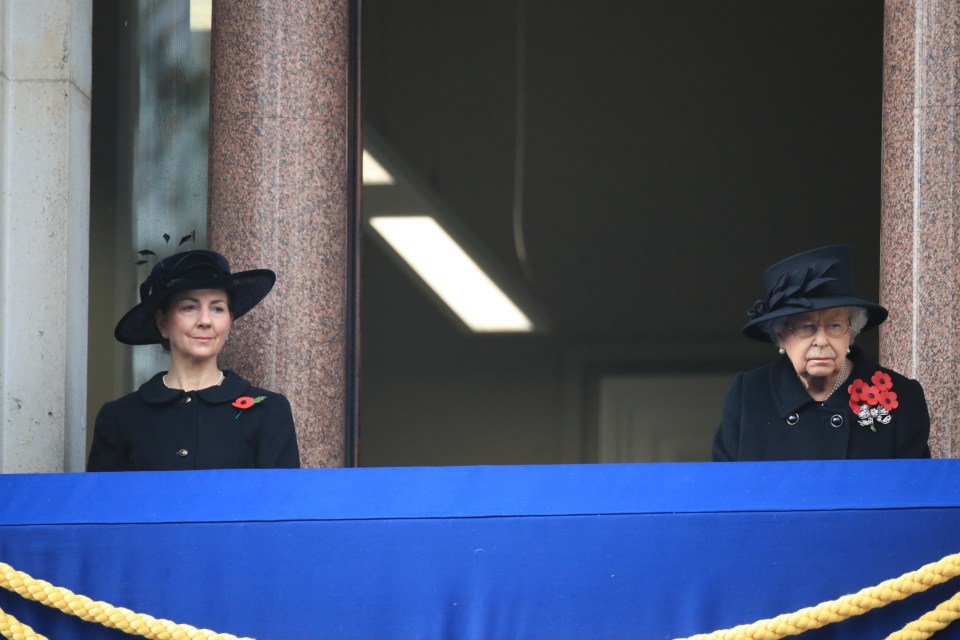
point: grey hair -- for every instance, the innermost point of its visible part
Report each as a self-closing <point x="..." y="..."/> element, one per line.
<point x="858" y="320"/>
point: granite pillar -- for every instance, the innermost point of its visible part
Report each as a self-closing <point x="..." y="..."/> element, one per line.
<point x="920" y="225"/>
<point x="281" y="194"/>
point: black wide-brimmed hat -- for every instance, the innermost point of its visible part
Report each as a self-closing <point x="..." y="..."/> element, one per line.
<point x="817" y="279"/>
<point x="198" y="269"/>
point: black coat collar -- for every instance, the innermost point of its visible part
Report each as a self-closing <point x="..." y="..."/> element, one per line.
<point x="153" y="391"/>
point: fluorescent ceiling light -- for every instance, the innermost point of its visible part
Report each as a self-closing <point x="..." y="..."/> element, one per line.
<point x="373" y="171"/>
<point x="451" y="273"/>
<point x="201" y="14"/>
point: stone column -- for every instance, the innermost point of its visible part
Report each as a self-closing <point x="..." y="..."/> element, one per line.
<point x="920" y="225"/>
<point x="44" y="221"/>
<point x="280" y="197"/>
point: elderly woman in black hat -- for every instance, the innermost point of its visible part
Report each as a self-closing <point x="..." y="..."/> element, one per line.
<point x="822" y="399"/>
<point x="193" y="416"/>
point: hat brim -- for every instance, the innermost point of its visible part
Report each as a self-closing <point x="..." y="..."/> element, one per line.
<point x="876" y="314"/>
<point x="248" y="288"/>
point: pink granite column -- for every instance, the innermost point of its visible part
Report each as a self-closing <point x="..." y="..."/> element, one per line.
<point x="920" y="227"/>
<point x="281" y="195"/>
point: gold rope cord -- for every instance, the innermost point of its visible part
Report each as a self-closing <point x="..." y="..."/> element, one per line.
<point x="791" y="624"/>
<point x="138" y="624"/>
<point x="772" y="629"/>
<point x="13" y="629"/>
<point x="930" y="622"/>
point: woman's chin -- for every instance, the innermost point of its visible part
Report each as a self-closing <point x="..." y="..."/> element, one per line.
<point x="818" y="373"/>
<point x="199" y="355"/>
<point x="821" y="368"/>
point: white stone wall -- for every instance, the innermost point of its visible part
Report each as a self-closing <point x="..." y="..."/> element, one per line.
<point x="44" y="222"/>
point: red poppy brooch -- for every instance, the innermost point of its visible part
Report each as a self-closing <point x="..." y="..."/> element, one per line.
<point x="245" y="402"/>
<point x="873" y="402"/>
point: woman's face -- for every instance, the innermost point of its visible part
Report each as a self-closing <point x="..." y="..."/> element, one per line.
<point x="817" y="342"/>
<point x="196" y="323"/>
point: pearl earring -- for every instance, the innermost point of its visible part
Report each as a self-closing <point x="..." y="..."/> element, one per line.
<point x="782" y="351"/>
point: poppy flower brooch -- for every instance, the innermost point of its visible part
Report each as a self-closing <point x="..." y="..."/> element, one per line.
<point x="873" y="402"/>
<point x="245" y="402"/>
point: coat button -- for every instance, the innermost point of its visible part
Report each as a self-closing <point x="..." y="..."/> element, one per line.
<point x="182" y="453"/>
<point x="793" y="419"/>
<point x="836" y="421"/>
<point x="187" y="400"/>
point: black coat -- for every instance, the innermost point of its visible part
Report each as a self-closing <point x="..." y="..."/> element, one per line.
<point x="161" y="429"/>
<point x="768" y="415"/>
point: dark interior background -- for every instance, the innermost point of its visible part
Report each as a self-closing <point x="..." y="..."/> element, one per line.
<point x="670" y="151"/>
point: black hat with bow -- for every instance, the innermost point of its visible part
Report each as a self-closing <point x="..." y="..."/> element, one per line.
<point x="198" y="269"/>
<point x="817" y="279"/>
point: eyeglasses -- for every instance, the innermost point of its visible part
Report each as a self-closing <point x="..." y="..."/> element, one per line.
<point x="809" y="329"/>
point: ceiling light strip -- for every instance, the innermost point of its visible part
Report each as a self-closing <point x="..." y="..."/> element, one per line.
<point x="452" y="274"/>
<point x="373" y="171"/>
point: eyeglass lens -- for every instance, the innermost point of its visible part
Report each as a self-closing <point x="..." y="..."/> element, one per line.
<point x="832" y="329"/>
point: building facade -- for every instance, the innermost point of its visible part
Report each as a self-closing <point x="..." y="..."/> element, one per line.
<point x="255" y="152"/>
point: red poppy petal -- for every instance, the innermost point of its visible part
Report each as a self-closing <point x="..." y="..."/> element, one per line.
<point x="854" y="406"/>
<point x="882" y="380"/>
<point x="890" y="401"/>
<point x="243" y="402"/>
<point x="870" y="395"/>
<point x="857" y="386"/>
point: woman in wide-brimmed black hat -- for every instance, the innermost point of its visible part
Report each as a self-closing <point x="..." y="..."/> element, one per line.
<point x="193" y="416"/>
<point x="822" y="399"/>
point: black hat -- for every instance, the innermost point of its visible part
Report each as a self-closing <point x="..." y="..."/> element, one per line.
<point x="198" y="269"/>
<point x="810" y="281"/>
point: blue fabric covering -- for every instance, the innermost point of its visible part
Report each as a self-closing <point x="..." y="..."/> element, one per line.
<point x="587" y="551"/>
